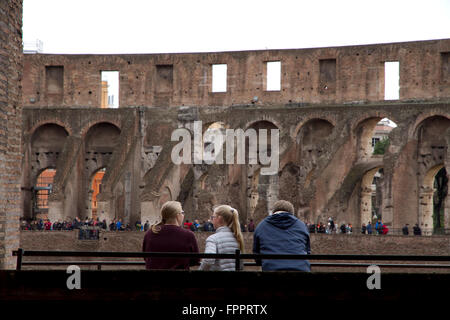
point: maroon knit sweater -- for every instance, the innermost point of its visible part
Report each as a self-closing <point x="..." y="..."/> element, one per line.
<point x="171" y="238"/>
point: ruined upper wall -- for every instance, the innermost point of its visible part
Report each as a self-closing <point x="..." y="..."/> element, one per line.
<point x="320" y="75"/>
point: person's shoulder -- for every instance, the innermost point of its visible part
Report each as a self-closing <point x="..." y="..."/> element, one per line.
<point x="185" y="232"/>
<point x="300" y="224"/>
<point x="213" y="237"/>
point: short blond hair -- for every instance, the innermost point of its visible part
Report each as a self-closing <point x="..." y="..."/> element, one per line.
<point x="283" y="205"/>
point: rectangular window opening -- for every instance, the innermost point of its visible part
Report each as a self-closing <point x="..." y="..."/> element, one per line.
<point x="327" y="76"/>
<point x="273" y="80"/>
<point x="392" y="80"/>
<point x="54" y="76"/>
<point x="164" y="79"/>
<point x="219" y="78"/>
<point x="110" y="89"/>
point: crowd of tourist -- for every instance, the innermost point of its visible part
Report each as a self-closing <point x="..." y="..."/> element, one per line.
<point x="77" y="223"/>
<point x="117" y="225"/>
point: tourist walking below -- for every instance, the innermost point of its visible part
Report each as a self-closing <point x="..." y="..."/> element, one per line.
<point x="416" y="230"/>
<point x="405" y="230"/>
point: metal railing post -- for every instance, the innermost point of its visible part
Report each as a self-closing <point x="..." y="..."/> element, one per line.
<point x="19" y="259"/>
<point x="238" y="260"/>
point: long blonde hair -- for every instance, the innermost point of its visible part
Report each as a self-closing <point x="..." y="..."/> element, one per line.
<point x="231" y="219"/>
<point x="169" y="212"/>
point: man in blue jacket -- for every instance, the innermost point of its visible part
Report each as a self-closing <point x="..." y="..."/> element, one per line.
<point x="282" y="233"/>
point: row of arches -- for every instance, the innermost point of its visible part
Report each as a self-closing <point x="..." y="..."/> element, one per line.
<point x="312" y="142"/>
<point x="304" y="146"/>
<point x="51" y="141"/>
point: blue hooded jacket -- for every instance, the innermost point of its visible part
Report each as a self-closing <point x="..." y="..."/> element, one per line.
<point x="282" y="233"/>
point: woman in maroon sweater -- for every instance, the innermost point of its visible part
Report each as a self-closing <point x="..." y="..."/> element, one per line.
<point x="169" y="236"/>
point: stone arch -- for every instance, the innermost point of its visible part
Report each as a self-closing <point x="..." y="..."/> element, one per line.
<point x="265" y="121"/>
<point x="432" y="146"/>
<point x="99" y="144"/>
<point x="46" y="144"/>
<point x="421" y="119"/>
<point x="366" y="193"/>
<point x="49" y="134"/>
<point x="364" y="132"/>
<point x="95" y="183"/>
<point x="210" y="143"/>
<point x="257" y="125"/>
<point x="57" y="122"/>
<point x="432" y="126"/>
<point x="85" y="130"/>
<point x="42" y="188"/>
<point x="310" y="138"/>
<point x="302" y="123"/>
<point x="425" y="219"/>
<point x="214" y="125"/>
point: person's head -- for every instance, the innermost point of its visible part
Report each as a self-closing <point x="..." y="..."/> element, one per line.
<point x="283" y="205"/>
<point x="171" y="213"/>
<point x="225" y="215"/>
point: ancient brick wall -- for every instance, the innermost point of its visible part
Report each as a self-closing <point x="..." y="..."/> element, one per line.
<point x="10" y="127"/>
<point x="319" y="75"/>
<point x="329" y="102"/>
<point x="325" y="166"/>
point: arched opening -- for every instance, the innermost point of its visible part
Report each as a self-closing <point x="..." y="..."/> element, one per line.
<point x="47" y="143"/>
<point x="41" y="192"/>
<point x="100" y="142"/>
<point x="96" y="188"/>
<point x="439" y="198"/>
<point x="371" y="196"/>
<point x="373" y="136"/>
<point x="101" y="137"/>
<point x="213" y="141"/>
<point x="432" y="200"/>
<point x="255" y="146"/>
<point x="380" y="135"/>
<point x="431" y="156"/>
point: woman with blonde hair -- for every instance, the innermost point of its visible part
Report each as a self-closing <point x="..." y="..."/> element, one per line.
<point x="227" y="239"/>
<point x="169" y="236"/>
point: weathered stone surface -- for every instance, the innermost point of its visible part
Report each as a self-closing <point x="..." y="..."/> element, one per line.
<point x="326" y="109"/>
<point x="10" y="127"/>
<point x="322" y="168"/>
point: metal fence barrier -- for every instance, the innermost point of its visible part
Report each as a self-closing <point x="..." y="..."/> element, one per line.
<point x="237" y="256"/>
